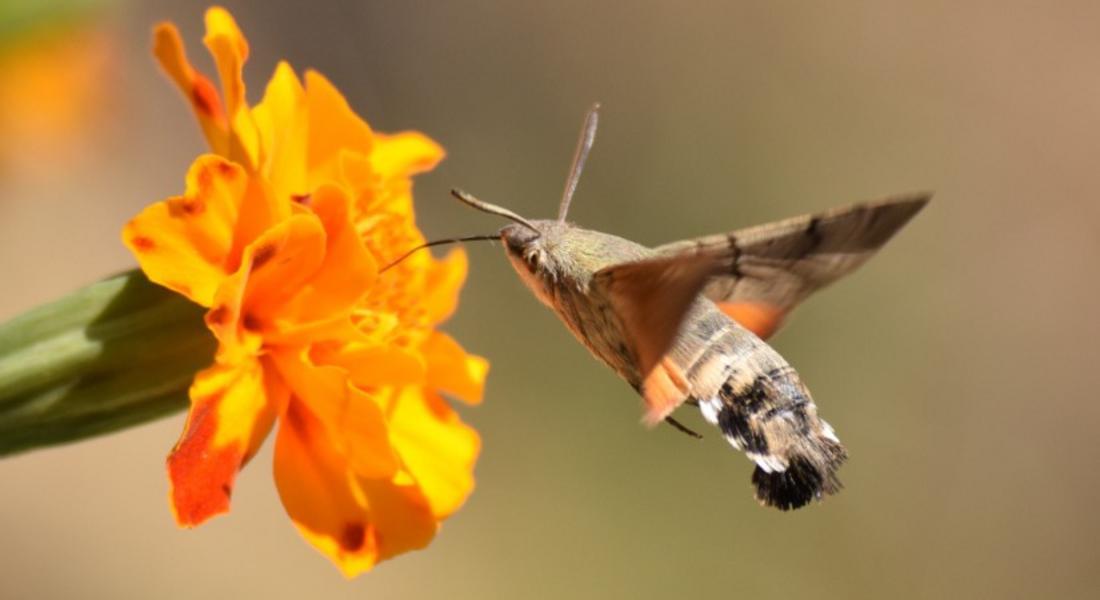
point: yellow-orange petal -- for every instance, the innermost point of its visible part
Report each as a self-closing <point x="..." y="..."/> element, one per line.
<point x="353" y="521"/>
<point x="283" y="261"/>
<point x="281" y="121"/>
<point x="348" y="268"/>
<point x="260" y="210"/>
<point x="404" y="154"/>
<point x="354" y="170"/>
<point x="442" y="285"/>
<point x="230" y="51"/>
<point x="452" y="370"/>
<point x="351" y="421"/>
<point x="338" y="327"/>
<point x="376" y="365"/>
<point x="333" y="127"/>
<point x="186" y="243"/>
<point x="232" y="409"/>
<point x="248" y="304"/>
<point x="436" y="447"/>
<point x="195" y="87"/>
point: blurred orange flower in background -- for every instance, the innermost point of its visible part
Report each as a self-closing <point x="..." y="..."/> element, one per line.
<point x="55" y="85"/>
<point x="281" y="233"/>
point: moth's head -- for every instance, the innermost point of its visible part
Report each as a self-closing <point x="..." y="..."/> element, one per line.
<point x="523" y="242"/>
<point x="530" y="244"/>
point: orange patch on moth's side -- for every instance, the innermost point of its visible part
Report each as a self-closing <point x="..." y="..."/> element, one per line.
<point x="664" y="389"/>
<point x="761" y="319"/>
<point x="202" y="476"/>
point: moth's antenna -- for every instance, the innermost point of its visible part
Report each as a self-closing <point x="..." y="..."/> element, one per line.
<point x="584" y="144"/>
<point x="493" y="209"/>
<point x="471" y="238"/>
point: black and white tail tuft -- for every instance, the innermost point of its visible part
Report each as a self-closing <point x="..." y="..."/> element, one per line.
<point x="772" y="418"/>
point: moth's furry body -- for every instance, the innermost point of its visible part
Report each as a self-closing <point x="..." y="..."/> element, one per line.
<point x="739" y="382"/>
<point x="558" y="267"/>
<point x="685" y="322"/>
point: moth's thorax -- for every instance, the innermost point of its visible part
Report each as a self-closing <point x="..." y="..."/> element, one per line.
<point x="558" y="264"/>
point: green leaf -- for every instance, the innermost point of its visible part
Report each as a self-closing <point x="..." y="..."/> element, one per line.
<point x="117" y="353"/>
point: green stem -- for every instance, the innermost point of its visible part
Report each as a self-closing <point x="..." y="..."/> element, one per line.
<point x="117" y="353"/>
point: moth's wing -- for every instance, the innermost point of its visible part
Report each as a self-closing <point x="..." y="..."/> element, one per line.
<point x="651" y="298"/>
<point x="774" y="267"/>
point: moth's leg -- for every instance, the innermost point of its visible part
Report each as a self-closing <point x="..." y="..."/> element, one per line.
<point x="680" y="426"/>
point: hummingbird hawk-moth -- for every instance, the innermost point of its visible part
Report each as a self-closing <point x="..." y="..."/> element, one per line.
<point x="685" y="323"/>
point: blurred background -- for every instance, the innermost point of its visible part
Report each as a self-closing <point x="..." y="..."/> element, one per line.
<point x="959" y="366"/>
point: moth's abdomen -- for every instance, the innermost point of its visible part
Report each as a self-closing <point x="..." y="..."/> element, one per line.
<point x="771" y="417"/>
<point x="759" y="403"/>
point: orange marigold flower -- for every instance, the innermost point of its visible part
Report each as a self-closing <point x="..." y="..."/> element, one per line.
<point x="281" y="233"/>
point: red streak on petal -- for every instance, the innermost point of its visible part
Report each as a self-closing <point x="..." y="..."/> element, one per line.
<point x="193" y="206"/>
<point x="201" y="475"/>
<point x="251" y="323"/>
<point x="205" y="180"/>
<point x="226" y="170"/>
<point x="142" y="243"/>
<point x="353" y="537"/>
<point x="296" y="420"/>
<point x="262" y="255"/>
<point x="205" y="97"/>
<point x="217" y="315"/>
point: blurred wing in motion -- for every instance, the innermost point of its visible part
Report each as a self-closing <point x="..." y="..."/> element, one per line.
<point x="651" y="299"/>
<point x="774" y="267"/>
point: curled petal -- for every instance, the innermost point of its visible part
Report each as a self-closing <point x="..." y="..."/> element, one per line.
<point x="186" y="243"/>
<point x="281" y="120"/>
<point x="247" y="305"/>
<point x="196" y="87"/>
<point x="355" y="522"/>
<point x="232" y="409"/>
<point x="348" y="268"/>
<point x="452" y="370"/>
<point x="333" y="127"/>
<point x="351" y="421"/>
<point x="376" y="364"/>
<point x="354" y="170"/>
<point x="436" y="447"/>
<point x="230" y="51"/>
<point x="404" y="154"/>
<point x="283" y="261"/>
<point x="442" y="285"/>
<point x="260" y="209"/>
